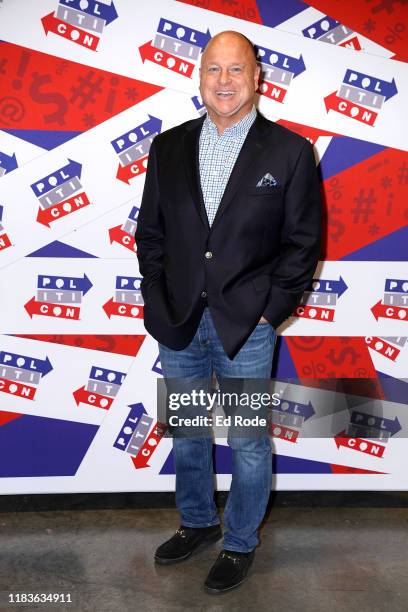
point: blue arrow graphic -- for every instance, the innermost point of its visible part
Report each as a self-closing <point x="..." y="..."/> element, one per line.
<point x="320" y="285"/>
<point x="304" y="410"/>
<point x="26" y="363"/>
<point x="9" y="162"/>
<point x="95" y="8"/>
<point x="280" y="60"/>
<point x="144" y="130"/>
<point x="369" y="420"/>
<point x="371" y="83"/>
<point x="46" y="281"/>
<point x="181" y="32"/>
<point x="43" y="185"/>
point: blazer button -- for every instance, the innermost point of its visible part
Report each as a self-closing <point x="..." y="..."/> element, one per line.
<point x="203" y="294"/>
<point x="208" y="255"/>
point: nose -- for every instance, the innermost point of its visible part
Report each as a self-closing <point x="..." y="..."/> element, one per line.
<point x="224" y="76"/>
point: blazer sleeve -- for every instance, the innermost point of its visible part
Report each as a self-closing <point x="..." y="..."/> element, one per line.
<point x="300" y="242"/>
<point x="149" y="233"/>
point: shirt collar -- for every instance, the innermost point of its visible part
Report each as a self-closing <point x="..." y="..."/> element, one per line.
<point x="234" y="131"/>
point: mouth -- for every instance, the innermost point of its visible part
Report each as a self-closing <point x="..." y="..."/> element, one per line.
<point x="224" y="94"/>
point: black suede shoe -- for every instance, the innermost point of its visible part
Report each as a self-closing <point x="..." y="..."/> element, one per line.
<point x="229" y="571"/>
<point x="185" y="541"/>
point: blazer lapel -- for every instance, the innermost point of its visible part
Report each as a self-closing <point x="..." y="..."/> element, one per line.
<point x="191" y="142"/>
<point x="246" y="157"/>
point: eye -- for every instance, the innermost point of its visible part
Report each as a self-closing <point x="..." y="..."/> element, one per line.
<point x="236" y="69"/>
<point x="213" y="69"/>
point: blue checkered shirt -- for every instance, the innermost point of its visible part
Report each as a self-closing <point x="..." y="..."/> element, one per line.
<point x="218" y="154"/>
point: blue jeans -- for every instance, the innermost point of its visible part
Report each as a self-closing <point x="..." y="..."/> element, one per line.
<point x="251" y="456"/>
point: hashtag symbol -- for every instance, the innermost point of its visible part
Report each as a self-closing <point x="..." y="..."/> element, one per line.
<point x="386" y="5"/>
<point x="363" y="205"/>
<point x="86" y="89"/>
<point x="403" y="174"/>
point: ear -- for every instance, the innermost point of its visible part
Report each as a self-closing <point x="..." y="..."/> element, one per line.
<point x="257" y="75"/>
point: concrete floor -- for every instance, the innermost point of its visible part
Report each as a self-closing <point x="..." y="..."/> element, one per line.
<point x="310" y="560"/>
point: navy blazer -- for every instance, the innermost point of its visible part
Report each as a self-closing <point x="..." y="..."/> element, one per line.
<point x="260" y="253"/>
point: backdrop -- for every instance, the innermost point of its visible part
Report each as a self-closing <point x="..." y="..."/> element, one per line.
<point x="85" y="86"/>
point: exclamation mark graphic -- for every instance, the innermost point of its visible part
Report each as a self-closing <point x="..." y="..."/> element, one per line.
<point x="24" y="59"/>
<point x="111" y="95"/>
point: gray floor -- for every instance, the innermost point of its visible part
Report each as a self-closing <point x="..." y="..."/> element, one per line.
<point x="310" y="559"/>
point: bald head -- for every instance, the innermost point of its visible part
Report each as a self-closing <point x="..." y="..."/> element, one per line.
<point x="228" y="38"/>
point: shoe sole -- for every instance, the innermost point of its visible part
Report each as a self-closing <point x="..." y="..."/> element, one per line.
<point x="200" y="547"/>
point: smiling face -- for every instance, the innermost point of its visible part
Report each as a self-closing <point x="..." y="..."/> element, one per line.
<point x="228" y="78"/>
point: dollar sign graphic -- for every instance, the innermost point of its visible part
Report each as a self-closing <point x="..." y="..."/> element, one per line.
<point x="42" y="97"/>
<point x="340" y="228"/>
<point x="339" y="359"/>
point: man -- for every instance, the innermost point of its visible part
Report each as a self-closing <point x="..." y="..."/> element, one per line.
<point x="227" y="240"/>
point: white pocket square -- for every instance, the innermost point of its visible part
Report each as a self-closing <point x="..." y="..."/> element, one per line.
<point x="267" y="181"/>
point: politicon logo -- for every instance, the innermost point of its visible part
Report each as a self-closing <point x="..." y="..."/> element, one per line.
<point x="128" y="299"/>
<point x="394" y="303"/>
<point x="320" y="301"/>
<point x="139" y="435"/>
<point x="132" y="148"/>
<point x="124" y="234"/>
<point x="367" y="433"/>
<point x="59" y="297"/>
<point x="60" y="193"/>
<point x="101" y="388"/>
<point x="277" y="72"/>
<point x="80" y="21"/>
<point x="331" y="31"/>
<point x="288" y="418"/>
<point x="21" y="375"/>
<point x="361" y="97"/>
<point x="175" y="47"/>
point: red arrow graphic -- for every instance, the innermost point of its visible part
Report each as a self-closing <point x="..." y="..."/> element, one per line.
<point x="125" y="173"/>
<point x="350" y="109"/>
<point x="83" y="396"/>
<point x="121" y="309"/>
<point x="65" y="30"/>
<point x="359" y="444"/>
<point x="389" y="312"/>
<point x="117" y="234"/>
<point x="45" y="309"/>
<point x="167" y="60"/>
<point x="149" y="445"/>
<point x="47" y="216"/>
